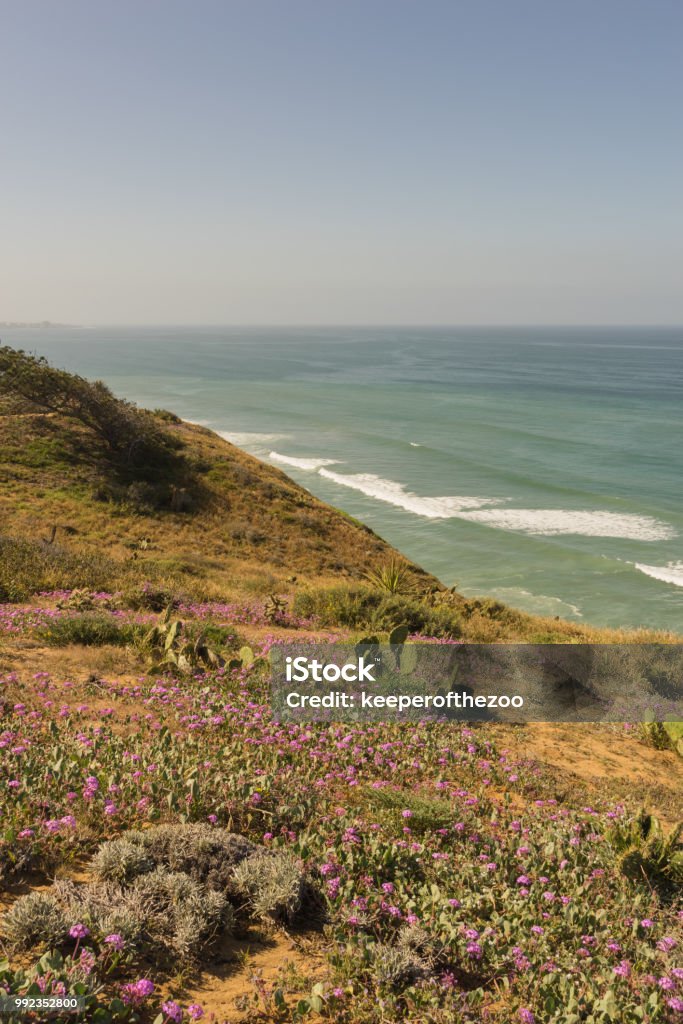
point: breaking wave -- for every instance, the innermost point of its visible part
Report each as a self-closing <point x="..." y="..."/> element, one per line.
<point x="672" y="572"/>
<point x="396" y="494"/>
<point x="289" y="460"/>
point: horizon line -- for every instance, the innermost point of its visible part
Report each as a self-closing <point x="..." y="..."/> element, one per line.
<point x="47" y="324"/>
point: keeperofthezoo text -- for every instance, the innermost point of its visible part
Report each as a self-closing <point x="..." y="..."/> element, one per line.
<point x="339" y="699"/>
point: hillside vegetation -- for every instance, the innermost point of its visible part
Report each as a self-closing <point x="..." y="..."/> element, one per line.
<point x="170" y="852"/>
<point x="97" y="493"/>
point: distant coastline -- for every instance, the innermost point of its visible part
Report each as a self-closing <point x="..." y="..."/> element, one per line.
<point x="14" y="324"/>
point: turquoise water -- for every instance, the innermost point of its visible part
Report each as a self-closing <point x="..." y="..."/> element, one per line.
<point x="543" y="466"/>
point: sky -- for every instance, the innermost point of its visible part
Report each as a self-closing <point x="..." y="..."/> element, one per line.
<point x="341" y="161"/>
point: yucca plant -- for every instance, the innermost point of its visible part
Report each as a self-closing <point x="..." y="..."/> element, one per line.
<point x="394" y="577"/>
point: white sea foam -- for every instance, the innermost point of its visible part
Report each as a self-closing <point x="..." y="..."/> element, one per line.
<point x="541" y="604"/>
<point x="547" y="522"/>
<point x="246" y="438"/>
<point x="289" y="460"/>
<point x="396" y="494"/>
<point x="550" y="522"/>
<point x="414" y="444"/>
<point x="672" y="572"/>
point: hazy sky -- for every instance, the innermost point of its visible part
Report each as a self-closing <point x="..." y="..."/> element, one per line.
<point x="359" y="161"/>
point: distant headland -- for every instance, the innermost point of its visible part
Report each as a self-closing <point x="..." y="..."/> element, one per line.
<point x="38" y="323"/>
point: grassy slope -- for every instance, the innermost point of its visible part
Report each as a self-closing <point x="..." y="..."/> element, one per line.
<point x="249" y="526"/>
<point x="248" y="531"/>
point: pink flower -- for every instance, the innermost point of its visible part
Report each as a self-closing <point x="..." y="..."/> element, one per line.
<point x="115" y="941"/>
<point x="173" y="1011"/>
<point x="79" y="931"/>
<point x="666" y="944"/>
<point x="194" y="1011"/>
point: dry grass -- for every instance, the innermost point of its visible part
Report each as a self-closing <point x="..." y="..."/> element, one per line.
<point x="251" y="525"/>
<point x="248" y="531"/>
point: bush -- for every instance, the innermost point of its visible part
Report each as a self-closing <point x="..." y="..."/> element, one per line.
<point x="160" y="909"/>
<point x="179" y="913"/>
<point x="149" y="597"/>
<point x="131" y="436"/>
<point x="35" y="919"/>
<point x="357" y="607"/>
<point x="142" y="464"/>
<point x="646" y="854"/>
<point x="121" y="860"/>
<point x="426" y="813"/>
<point x="414" y="955"/>
<point x="273" y="885"/>
<point x="417" y="615"/>
<point x="337" y="606"/>
<point x="29" y="567"/>
<point x="396" y="966"/>
<point x="89" y="631"/>
<point x="206" y="854"/>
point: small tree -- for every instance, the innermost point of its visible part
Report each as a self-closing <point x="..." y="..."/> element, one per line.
<point x="128" y="433"/>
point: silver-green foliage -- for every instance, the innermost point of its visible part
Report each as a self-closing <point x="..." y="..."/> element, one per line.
<point x="121" y="860"/>
<point x="273" y="885"/>
<point x="35" y="919"/>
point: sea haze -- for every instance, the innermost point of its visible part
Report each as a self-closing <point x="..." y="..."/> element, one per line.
<point x="542" y="466"/>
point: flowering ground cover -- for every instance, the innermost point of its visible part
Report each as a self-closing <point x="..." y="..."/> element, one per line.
<point x="423" y="872"/>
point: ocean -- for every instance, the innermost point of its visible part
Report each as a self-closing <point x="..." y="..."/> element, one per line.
<point x="541" y="466"/>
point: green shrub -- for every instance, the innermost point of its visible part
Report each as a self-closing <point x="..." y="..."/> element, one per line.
<point x="121" y="860"/>
<point x="143" y="467"/>
<point x="179" y="914"/>
<point x="417" y="615"/>
<point x="273" y="885"/>
<point x="159" y="910"/>
<point x="28" y="567"/>
<point x="130" y="435"/>
<point x="664" y="735"/>
<point x="149" y="597"/>
<point x="358" y="607"/>
<point x="395" y="967"/>
<point x="426" y="814"/>
<point x="206" y="854"/>
<point x="349" y="606"/>
<point x="89" y="631"/>
<point x="35" y="919"/>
